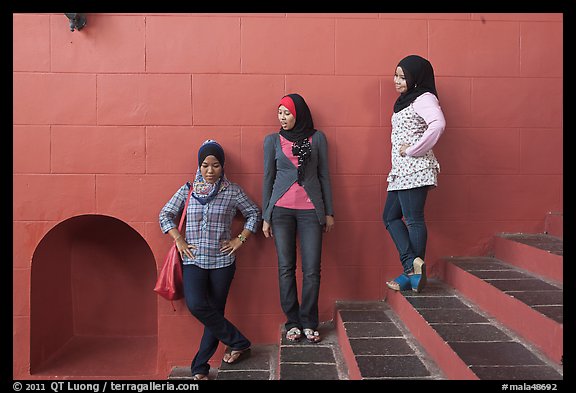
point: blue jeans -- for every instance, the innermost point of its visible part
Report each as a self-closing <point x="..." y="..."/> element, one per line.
<point x="206" y="291"/>
<point x="410" y="236"/>
<point x="286" y="224"/>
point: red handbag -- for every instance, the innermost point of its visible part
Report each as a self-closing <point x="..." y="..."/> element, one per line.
<point x="169" y="283"/>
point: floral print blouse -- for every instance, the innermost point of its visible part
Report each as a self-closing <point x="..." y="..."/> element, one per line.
<point x="407" y="172"/>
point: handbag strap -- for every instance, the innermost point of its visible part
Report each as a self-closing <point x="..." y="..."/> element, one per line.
<point x="185" y="210"/>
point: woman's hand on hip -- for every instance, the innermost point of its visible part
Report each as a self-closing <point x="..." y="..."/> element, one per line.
<point x="230" y="246"/>
<point x="403" y="149"/>
<point x="185" y="249"/>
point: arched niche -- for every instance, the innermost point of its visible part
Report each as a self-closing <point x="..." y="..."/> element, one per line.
<point x="92" y="308"/>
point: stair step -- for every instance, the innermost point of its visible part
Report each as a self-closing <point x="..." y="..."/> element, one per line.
<point x="464" y="341"/>
<point x="259" y="366"/>
<point x="300" y="360"/>
<point x="303" y="360"/>
<point x="543" y="296"/>
<point x="376" y="344"/>
<point x="541" y="241"/>
<point x="498" y="287"/>
<point x="538" y="253"/>
<point x="183" y="373"/>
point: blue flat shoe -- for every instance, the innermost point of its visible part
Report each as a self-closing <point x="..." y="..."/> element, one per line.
<point x="418" y="279"/>
<point x="403" y="282"/>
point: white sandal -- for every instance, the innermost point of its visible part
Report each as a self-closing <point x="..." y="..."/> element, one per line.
<point x="312" y="335"/>
<point x="293" y="334"/>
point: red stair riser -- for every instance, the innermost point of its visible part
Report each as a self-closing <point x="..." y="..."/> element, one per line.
<point x="347" y="352"/>
<point x="529" y="258"/>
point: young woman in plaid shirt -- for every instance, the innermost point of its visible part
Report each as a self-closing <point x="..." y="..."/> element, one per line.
<point x="208" y="251"/>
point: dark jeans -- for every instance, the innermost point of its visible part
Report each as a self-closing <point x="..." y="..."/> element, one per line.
<point x="410" y="236"/>
<point x="206" y="291"/>
<point x="286" y="223"/>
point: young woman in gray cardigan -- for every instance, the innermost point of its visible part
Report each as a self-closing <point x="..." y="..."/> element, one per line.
<point x="297" y="200"/>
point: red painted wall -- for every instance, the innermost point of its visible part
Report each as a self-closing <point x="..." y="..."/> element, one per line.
<point x="107" y="122"/>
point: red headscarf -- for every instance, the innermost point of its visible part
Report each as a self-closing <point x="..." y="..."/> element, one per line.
<point x="302" y="130"/>
<point x="289" y="104"/>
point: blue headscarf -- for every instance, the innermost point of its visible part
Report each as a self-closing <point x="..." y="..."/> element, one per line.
<point x="203" y="191"/>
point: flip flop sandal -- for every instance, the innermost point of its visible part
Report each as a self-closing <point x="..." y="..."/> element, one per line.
<point x="312" y="335"/>
<point x="403" y="282"/>
<point x="293" y="334"/>
<point x="418" y="279"/>
<point x="235" y="356"/>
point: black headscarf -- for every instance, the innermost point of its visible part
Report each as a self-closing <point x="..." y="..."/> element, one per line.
<point x="299" y="134"/>
<point x="419" y="76"/>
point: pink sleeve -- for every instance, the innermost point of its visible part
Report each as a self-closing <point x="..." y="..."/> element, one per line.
<point x="428" y="108"/>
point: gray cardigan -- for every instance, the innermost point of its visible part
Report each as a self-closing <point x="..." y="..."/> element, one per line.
<point x="280" y="173"/>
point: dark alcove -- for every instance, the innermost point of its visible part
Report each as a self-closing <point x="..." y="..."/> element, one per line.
<point x="92" y="308"/>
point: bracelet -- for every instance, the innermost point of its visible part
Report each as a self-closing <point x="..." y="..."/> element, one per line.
<point x="242" y="238"/>
<point x="177" y="237"/>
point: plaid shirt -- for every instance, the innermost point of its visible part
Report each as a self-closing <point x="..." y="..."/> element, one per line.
<point x="207" y="226"/>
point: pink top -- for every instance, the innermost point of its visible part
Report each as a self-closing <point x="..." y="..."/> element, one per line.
<point x="296" y="196"/>
<point x="428" y="108"/>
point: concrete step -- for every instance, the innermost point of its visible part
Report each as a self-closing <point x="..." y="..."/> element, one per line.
<point x="261" y="365"/>
<point x="300" y="360"/>
<point x="303" y="360"/>
<point x="525" y="303"/>
<point x="465" y="342"/>
<point x="376" y="344"/>
<point x="183" y="373"/>
<point x="538" y="253"/>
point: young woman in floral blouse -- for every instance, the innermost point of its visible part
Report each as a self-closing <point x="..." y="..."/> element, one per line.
<point x="417" y="124"/>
